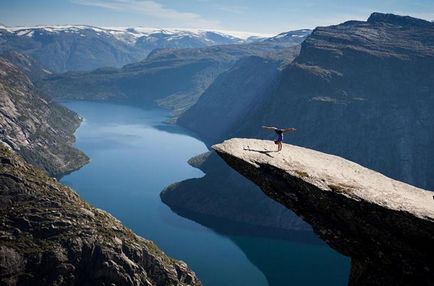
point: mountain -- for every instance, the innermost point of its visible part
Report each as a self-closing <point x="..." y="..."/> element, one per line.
<point x="234" y="94"/>
<point x="290" y="38"/>
<point x="174" y="78"/>
<point x="39" y="130"/>
<point x="385" y="226"/>
<point x="175" y="39"/>
<point x="361" y="90"/>
<point x="49" y="236"/>
<point x="84" y="48"/>
<point x="60" y="49"/>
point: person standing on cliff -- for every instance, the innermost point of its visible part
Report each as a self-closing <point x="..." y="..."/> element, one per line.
<point x="279" y="132"/>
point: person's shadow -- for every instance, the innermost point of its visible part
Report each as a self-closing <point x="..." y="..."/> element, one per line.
<point x="265" y="152"/>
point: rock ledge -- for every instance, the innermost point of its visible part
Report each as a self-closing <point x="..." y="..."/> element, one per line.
<point x="385" y="226"/>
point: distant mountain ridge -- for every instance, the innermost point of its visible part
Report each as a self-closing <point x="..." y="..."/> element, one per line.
<point x="84" y="48"/>
<point x="132" y="34"/>
<point x="296" y="36"/>
<point x="138" y="32"/>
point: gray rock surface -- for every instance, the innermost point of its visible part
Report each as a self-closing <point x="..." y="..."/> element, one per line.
<point x="39" y="130"/>
<point x="385" y="226"/>
<point x="49" y="236"/>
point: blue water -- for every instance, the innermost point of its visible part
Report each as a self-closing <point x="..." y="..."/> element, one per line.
<point x="133" y="159"/>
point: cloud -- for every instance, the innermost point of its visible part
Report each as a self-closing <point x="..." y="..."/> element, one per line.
<point x="153" y="9"/>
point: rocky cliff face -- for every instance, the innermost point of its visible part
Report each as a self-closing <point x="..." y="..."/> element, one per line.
<point x="49" y="236"/>
<point x="362" y="90"/>
<point x="385" y="226"/>
<point x="40" y="131"/>
<point x="26" y="64"/>
<point x="232" y="95"/>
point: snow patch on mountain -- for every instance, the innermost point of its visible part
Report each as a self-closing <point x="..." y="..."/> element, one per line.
<point x="130" y="35"/>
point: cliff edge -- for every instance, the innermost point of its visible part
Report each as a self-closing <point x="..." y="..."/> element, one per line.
<point x="385" y="226"/>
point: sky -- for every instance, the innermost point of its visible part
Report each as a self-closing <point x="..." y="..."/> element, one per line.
<point x="256" y="16"/>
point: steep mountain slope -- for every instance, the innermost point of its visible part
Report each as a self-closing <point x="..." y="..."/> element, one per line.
<point x="83" y="48"/>
<point x="32" y="69"/>
<point x="231" y="96"/>
<point x="40" y="131"/>
<point x="175" y="78"/>
<point x="362" y="90"/>
<point x="385" y="226"/>
<point x="49" y="236"/>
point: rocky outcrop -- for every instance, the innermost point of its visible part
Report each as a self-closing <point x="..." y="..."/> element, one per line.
<point x="39" y="130"/>
<point x="385" y="226"/>
<point x="49" y="236"/>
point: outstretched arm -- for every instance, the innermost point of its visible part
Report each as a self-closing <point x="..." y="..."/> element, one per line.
<point x="269" y="127"/>
<point x="288" y="130"/>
